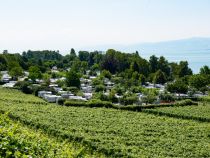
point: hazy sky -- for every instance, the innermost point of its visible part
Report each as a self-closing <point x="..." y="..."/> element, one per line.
<point x="63" y="24"/>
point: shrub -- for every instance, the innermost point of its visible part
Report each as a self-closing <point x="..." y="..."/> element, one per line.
<point x="129" y="100"/>
<point x="99" y="103"/>
<point x="167" y="97"/>
<point x="100" y="88"/>
<point x="61" y="101"/>
<point x="75" y="103"/>
<point x="91" y="103"/>
<point x="186" y="102"/>
<point x="24" y="86"/>
<point x="74" y="90"/>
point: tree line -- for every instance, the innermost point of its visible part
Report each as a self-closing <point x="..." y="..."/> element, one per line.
<point x="126" y="65"/>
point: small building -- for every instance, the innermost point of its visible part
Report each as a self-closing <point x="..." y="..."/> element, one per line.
<point x="92" y="77"/>
<point x="87" y="89"/>
<point x="53" y="80"/>
<point x="66" y="95"/>
<point x="6" y="78"/>
<point x="88" y="96"/>
<point x="10" y="84"/>
<point x="51" y="98"/>
<point x="180" y="95"/>
<point x="41" y="94"/>
<point x="77" y="98"/>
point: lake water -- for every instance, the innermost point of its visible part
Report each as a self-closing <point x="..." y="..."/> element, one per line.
<point x="195" y="58"/>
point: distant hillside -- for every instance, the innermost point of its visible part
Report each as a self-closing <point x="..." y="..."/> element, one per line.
<point x="195" y="50"/>
<point x="191" y="44"/>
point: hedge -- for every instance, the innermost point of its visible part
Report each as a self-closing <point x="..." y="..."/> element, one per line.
<point x="106" y="104"/>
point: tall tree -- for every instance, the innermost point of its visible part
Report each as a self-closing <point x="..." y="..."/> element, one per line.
<point x="153" y="63"/>
<point x="110" y="61"/>
<point x="72" y="79"/>
<point x="15" y="72"/>
<point x="134" y="66"/>
<point x="184" y="70"/>
<point x="159" y="77"/>
<point x="34" y="73"/>
<point x="163" y="65"/>
<point x="84" y="56"/>
<point x="198" y="81"/>
<point x="205" y="70"/>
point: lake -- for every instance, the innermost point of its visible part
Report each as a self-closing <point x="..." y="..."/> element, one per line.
<point x="195" y="58"/>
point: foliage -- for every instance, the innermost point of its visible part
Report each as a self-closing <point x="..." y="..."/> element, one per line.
<point x="100" y="88"/>
<point x="34" y="73"/>
<point x="149" y="99"/>
<point x="159" y="78"/>
<point x="106" y="74"/>
<point x="16" y="71"/>
<point x="205" y="70"/>
<point x="24" y="86"/>
<point x="177" y="87"/>
<point x="116" y="133"/>
<point x="198" y="81"/>
<point x="166" y="97"/>
<point x="72" y="79"/>
<point x="19" y="141"/>
<point x="200" y="113"/>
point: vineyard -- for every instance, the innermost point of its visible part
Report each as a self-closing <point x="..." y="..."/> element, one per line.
<point x="17" y="141"/>
<point x="114" y="133"/>
<point x="199" y="113"/>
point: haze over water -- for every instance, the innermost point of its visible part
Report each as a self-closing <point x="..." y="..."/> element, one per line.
<point x="195" y="58"/>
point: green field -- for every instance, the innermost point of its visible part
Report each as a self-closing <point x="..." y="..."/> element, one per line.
<point x="200" y="112"/>
<point x="17" y="141"/>
<point x="16" y="96"/>
<point x="114" y="133"/>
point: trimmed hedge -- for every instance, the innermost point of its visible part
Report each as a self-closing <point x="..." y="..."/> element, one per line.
<point x="92" y="103"/>
<point x="106" y="104"/>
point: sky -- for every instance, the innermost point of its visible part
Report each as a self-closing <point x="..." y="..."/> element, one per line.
<point x="63" y="24"/>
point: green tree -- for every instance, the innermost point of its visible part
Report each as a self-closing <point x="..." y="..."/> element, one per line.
<point x="205" y="70"/>
<point x="72" y="79"/>
<point x="110" y="61"/>
<point x="163" y="65"/>
<point x="34" y="73"/>
<point x="84" y="56"/>
<point x="16" y="71"/>
<point x="198" y="81"/>
<point x="177" y="87"/>
<point x="183" y="69"/>
<point x="134" y="66"/>
<point x="72" y="52"/>
<point x="159" y="77"/>
<point x="153" y="63"/>
<point x="106" y="74"/>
